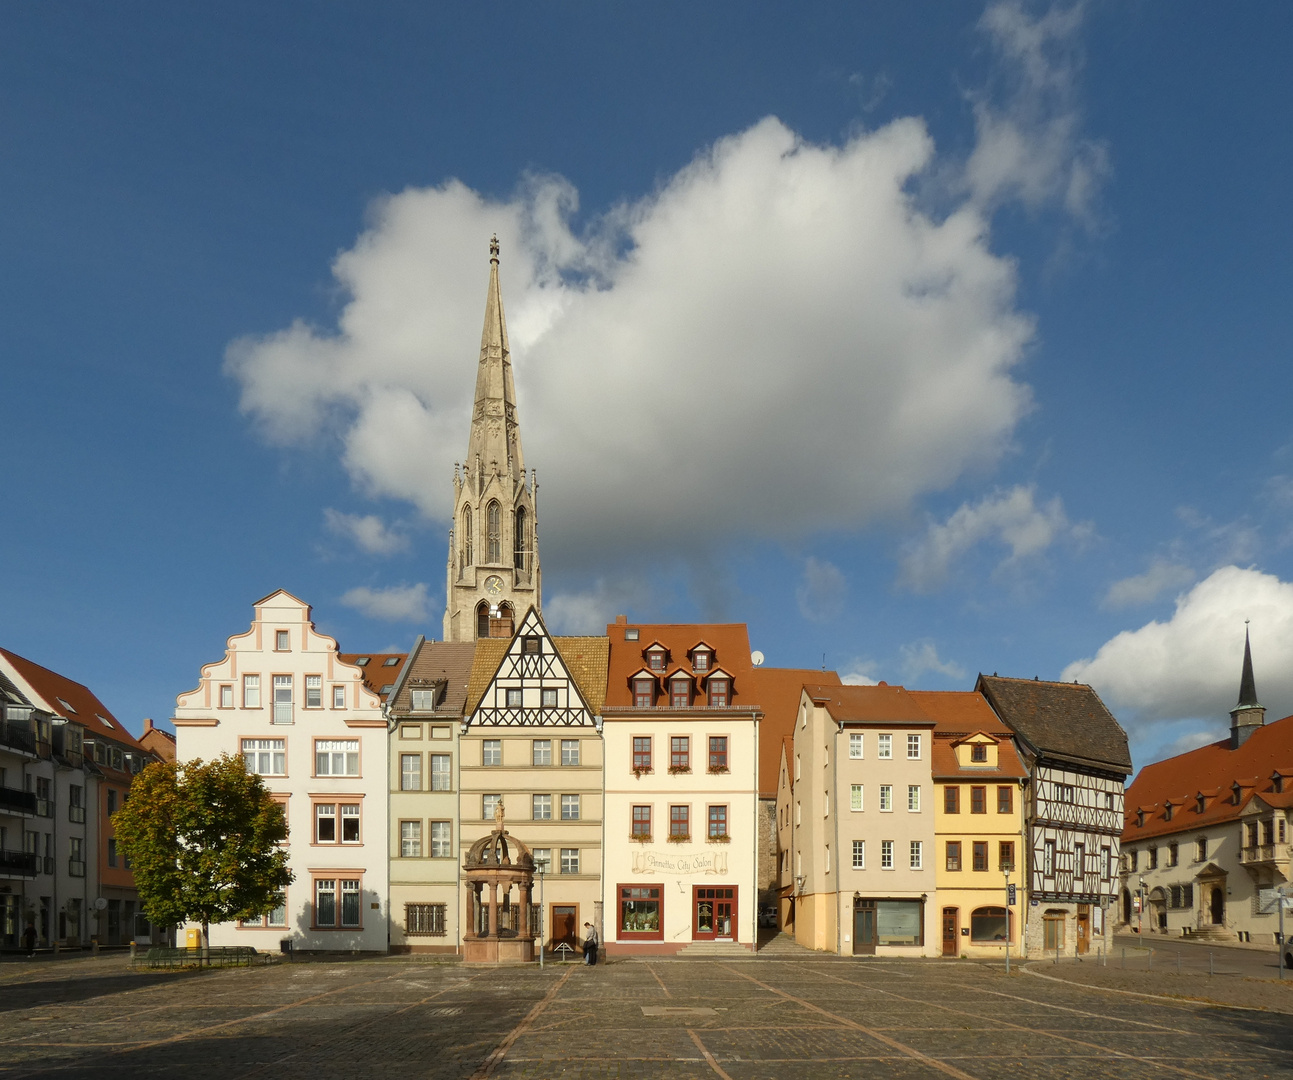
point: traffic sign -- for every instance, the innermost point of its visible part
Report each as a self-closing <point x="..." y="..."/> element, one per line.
<point x="1010" y="894"/>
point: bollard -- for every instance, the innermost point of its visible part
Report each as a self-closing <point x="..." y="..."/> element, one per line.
<point x="1123" y="964"/>
<point x="133" y="951"/>
<point x="1209" y="962"/>
<point x="1150" y="965"/>
<point x="55" y="946"/>
<point x="1178" y="961"/>
<point x="95" y="946"/>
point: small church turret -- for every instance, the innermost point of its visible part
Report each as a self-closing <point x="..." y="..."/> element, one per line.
<point x="1247" y="715"/>
<point x="494" y="571"/>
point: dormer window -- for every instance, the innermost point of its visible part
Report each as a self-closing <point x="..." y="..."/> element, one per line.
<point x="1140" y="819"/>
<point x="1236" y="792"/>
<point x="680" y="692"/>
<point x="1167" y="812"/>
<point x="1200" y="802"/>
<point x="655" y="659"/>
<point x="1277" y="783"/>
<point x="700" y="660"/>
<point x="643" y="692"/>
<point x="718" y="692"/>
<point x="978" y="753"/>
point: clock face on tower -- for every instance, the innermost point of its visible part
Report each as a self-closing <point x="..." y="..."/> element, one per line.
<point x="494" y="585"/>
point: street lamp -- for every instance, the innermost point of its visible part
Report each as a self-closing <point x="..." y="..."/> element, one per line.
<point x="1140" y="915"/>
<point x="541" y="910"/>
<point x="1006" y="872"/>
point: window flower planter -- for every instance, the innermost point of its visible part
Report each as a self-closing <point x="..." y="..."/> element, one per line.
<point x="680" y="838"/>
<point x="640" y="837"/>
<point x="675" y="770"/>
<point x="720" y="839"/>
<point x="639" y="772"/>
<point x="714" y="769"/>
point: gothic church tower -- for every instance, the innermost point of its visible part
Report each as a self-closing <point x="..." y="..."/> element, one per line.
<point x="493" y="573"/>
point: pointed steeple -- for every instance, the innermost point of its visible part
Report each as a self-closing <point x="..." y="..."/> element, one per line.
<point x="1248" y="714"/>
<point x="495" y="442"/>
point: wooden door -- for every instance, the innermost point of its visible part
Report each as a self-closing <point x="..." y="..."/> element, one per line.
<point x="1083" y="928"/>
<point x="864" y="928"/>
<point x="565" y="926"/>
<point x="951" y="930"/>
<point x="714" y="914"/>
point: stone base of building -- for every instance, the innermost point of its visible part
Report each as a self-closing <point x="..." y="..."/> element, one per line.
<point x="498" y="950"/>
<point x="425" y="950"/>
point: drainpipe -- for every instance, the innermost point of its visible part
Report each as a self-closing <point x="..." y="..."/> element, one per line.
<point x="835" y="787"/>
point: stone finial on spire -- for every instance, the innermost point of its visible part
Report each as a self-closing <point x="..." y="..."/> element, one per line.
<point x="493" y="248"/>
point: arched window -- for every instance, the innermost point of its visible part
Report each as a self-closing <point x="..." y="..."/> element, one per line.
<point x="466" y="536"/>
<point x="494" y="534"/>
<point x="520" y="539"/>
<point x="482" y="620"/>
<point x="507" y="615"/>
<point x="988" y="925"/>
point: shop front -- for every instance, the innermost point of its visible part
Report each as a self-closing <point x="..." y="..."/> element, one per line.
<point x="888" y="925"/>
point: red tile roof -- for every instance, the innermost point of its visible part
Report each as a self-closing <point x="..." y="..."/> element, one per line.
<point x="1213" y="770"/>
<point x="58" y="692"/>
<point x="881" y="704"/>
<point x="958" y="713"/>
<point x="376" y="673"/>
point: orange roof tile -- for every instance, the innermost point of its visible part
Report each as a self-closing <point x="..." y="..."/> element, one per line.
<point x="958" y="713"/>
<point x="76" y="702"/>
<point x="881" y="704"/>
<point x="376" y="672"/>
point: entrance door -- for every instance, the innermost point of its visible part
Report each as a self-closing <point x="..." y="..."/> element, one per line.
<point x="714" y="914"/>
<point x="1218" y="906"/>
<point x="951" y="929"/>
<point x="565" y="926"/>
<point x="864" y="928"/>
<point x="1083" y="928"/>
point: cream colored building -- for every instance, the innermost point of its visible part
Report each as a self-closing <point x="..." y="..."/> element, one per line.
<point x="302" y="718"/>
<point x="681" y="820"/>
<point x="862" y="823"/>
<point x="531" y="739"/>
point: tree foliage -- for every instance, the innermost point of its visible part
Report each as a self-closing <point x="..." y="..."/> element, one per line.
<point x="204" y="840"/>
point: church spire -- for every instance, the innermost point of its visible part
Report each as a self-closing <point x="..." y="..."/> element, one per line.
<point x="1247" y="715"/>
<point x="495" y="442"/>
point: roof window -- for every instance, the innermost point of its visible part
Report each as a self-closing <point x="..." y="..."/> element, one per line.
<point x="66" y="706"/>
<point x="362" y="661"/>
<point x="390" y="661"/>
<point x="105" y="720"/>
<point x="388" y="688"/>
<point x="631" y="634"/>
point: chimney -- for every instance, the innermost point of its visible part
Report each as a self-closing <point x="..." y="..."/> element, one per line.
<point x="148" y="725"/>
<point x="621" y="620"/>
<point x="1247" y="715"/>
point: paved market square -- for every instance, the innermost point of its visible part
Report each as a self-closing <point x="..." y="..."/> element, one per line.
<point x="780" y="1018"/>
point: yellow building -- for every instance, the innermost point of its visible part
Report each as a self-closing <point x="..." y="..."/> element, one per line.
<point x="978" y="825"/>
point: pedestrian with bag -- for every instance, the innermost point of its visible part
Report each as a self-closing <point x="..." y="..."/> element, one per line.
<point x="590" y="944"/>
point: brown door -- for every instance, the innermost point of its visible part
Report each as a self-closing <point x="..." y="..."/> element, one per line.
<point x="951" y="929"/>
<point x="1083" y="928"/>
<point x="714" y="914"/>
<point x="864" y="928"/>
<point x="565" y="926"/>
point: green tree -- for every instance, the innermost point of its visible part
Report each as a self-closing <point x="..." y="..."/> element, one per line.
<point x="204" y="841"/>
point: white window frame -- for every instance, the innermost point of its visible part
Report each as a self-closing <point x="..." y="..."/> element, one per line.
<point x="913" y="798"/>
<point x="886" y="798"/>
<point x="914" y="744"/>
<point x="540" y="807"/>
<point x="570" y="752"/>
<point x="489" y="804"/>
<point x="917" y="855"/>
<point x="491" y="752"/>
<point x="338" y="697"/>
<point x="270" y="756"/>
<point x="226" y="695"/>
<point x="856" y="747"/>
<point x="410" y="839"/>
<point x="441" y="772"/>
<point x="886" y="854"/>
<point x="570" y="860"/>
<point x="884" y="747"/>
<point x="282" y="693"/>
<point x="540" y="752"/>
<point x="410" y="778"/>
<point x="571" y="808"/>
<point x="336" y="757"/>
<point x="442" y="839"/>
<point x="856" y="800"/>
<point x="251" y="691"/>
<point x="314" y="691"/>
<point x="859" y="854"/>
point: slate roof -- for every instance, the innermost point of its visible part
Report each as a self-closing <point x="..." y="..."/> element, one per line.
<point x="1065" y="721"/>
<point x="435" y="660"/>
<point x="585" y="657"/>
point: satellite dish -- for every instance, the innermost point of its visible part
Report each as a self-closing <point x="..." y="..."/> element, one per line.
<point x="756" y="658"/>
<point x="100" y="904"/>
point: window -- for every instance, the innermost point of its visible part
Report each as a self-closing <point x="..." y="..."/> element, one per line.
<point x="422" y="700"/>
<point x="826" y="809"/>
<point x="917" y="854"/>
<point x="569" y="860"/>
<point x="441" y="772"/>
<point x="112" y="850"/>
<point x="640" y="912"/>
<point x="424" y="920"/>
<point x="1172" y="854"/>
<point x="325" y="902"/>
<point x="543" y="859"/>
<point x="541" y="752"/>
<point x="642" y="753"/>
<point x="859" y="854"/>
<point x="350" y="823"/>
<point x="266" y="757"/>
<point x="1066" y="793"/>
<point x="278" y="917"/>
<point x="655" y="659"/>
<point x="251" y="691"/>
<point x="282" y="699"/>
<point x="978" y="800"/>
<point x="1079" y="863"/>
<point x="410" y="772"/>
<point x="913" y="798"/>
<point x="979" y="753"/>
<point x="855" y="796"/>
<point x="75" y="801"/>
<point x="631" y="634"/>
<point x="718" y="753"/>
<point x="643" y="692"/>
<point x="642" y="822"/>
<point x="325" y="823"/>
<point x="363" y="661"/>
<point x="884" y="746"/>
<point x="953" y="855"/>
<point x="520" y="538"/>
<point x="569" y="807"/>
<point x="700" y="660"/>
<point x="482" y="620"/>
<point x="886" y="797"/>
<point x="441" y="837"/>
<point x="988" y="924"/>
<point x="1005" y="799"/>
<point x="410" y="839"/>
<point x="1153" y="852"/>
<point x="541" y="807"/>
<point x="1006" y="855"/>
<point x="349" y="903"/>
<point x="951" y="799"/>
<point x="338" y="697"/>
<point x="1200" y="850"/>
<point x="980" y="855"/>
<point x="548" y="697"/>
<point x="855" y="744"/>
<point x="1106" y="863"/>
<point x="680" y="754"/>
<point x="828" y="858"/>
<point x="1133" y="858"/>
<point x="467" y="552"/>
<point x="513" y="697"/>
<point x="680" y="693"/>
<point x="717" y="822"/>
<point x="226" y="696"/>
<point x="488" y="804"/>
<point x="282" y="641"/>
<point x="491" y="752"/>
<point x="569" y="751"/>
<point x="717" y="693"/>
<point x="493" y="534"/>
<point x="1048" y="858"/>
<point x="336" y="757"/>
<point x="913" y="747"/>
<point x="314" y="691"/>
<point x="798" y="769"/>
<point x="886" y="854"/>
<point x="680" y="822"/>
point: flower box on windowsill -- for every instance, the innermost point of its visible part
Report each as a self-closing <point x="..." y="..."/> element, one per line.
<point x="721" y="839"/>
<point x="680" y="838"/>
<point x="640" y="837"/>
<point x="675" y="770"/>
<point x="713" y="769"/>
<point x="641" y="770"/>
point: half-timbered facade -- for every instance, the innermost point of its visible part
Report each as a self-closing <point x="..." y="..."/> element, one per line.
<point x="1078" y="762"/>
<point x="531" y="740"/>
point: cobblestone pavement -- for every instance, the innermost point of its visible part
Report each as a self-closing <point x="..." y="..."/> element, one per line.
<point x="783" y="1019"/>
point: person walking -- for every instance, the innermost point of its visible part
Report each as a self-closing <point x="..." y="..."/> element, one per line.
<point x="29" y="939"/>
<point x="590" y="944"/>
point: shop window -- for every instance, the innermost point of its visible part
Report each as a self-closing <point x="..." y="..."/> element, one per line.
<point x="988" y="925"/>
<point x="641" y="914"/>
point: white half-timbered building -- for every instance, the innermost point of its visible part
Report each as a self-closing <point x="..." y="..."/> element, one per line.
<point x="1078" y="763"/>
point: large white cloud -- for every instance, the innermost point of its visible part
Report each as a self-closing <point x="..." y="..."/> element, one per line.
<point x="1188" y="667"/>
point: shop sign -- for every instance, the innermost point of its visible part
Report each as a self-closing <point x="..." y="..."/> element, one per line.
<point x="705" y="862"/>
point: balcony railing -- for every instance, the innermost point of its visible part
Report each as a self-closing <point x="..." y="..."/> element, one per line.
<point x="76" y="813"/>
<point x="44" y="807"/>
<point x="76" y="867"/>
<point x="17" y="736"/>
<point x="21" y="863"/>
<point x="1264" y="854"/>
<point x="13" y="801"/>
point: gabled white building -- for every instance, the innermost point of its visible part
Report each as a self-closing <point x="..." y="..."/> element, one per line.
<point x="302" y="718"/>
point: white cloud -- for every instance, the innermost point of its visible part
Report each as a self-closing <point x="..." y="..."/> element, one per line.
<point x="588" y="611"/>
<point x="859" y="673"/>
<point x="821" y="593"/>
<point x="1162" y="576"/>
<point x="398" y="603"/>
<point x="922" y="656"/>
<point x="1188" y="666"/>
<point x="1012" y="518"/>
<point x="368" y="532"/>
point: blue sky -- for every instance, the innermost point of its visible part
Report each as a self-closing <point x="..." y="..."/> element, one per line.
<point x="927" y="339"/>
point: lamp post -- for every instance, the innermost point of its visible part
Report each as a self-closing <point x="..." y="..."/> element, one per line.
<point x="1007" y="874"/>
<point x="1140" y="915"/>
<point x="1279" y="957"/>
<point x="541" y="911"/>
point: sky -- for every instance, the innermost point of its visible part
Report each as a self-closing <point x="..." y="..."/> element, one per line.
<point x="926" y="339"/>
